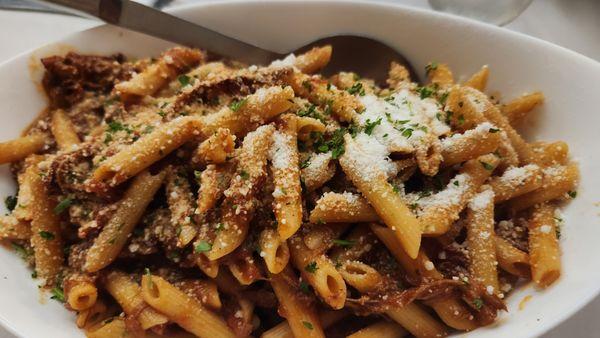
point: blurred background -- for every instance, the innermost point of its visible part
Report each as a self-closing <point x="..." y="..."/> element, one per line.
<point x="573" y="24"/>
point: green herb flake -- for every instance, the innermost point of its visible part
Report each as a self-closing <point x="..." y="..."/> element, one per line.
<point x="494" y="130"/>
<point x="305" y="163"/>
<point x="197" y="174"/>
<point x="478" y="303"/>
<point x="306" y="84"/>
<point x="244" y="175"/>
<point x="236" y="105"/>
<point x="456" y="183"/>
<point x="356" y="88"/>
<point x="21" y="250"/>
<point x="46" y="235"/>
<point x="58" y="294"/>
<point x="63" y="205"/>
<point x="572" y="194"/>
<point x="10" y="202"/>
<point x="487" y="166"/>
<point x="369" y="126"/>
<point x="203" y="246"/>
<point x="431" y="66"/>
<point x="219" y="227"/>
<point x="425" y="92"/>
<point x="343" y="243"/>
<point x="184" y="80"/>
<point x="307" y="325"/>
<point x="304" y="287"/>
<point x="311" y="267"/>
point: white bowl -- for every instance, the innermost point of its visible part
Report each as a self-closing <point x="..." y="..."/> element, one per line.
<point x="518" y="63"/>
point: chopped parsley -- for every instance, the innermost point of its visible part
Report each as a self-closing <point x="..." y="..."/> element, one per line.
<point x="304" y="287"/>
<point x="311" y="267"/>
<point x="236" y="105"/>
<point x="478" y="303"/>
<point x="425" y="92"/>
<point x="307" y="325"/>
<point x="369" y="126"/>
<point x="431" y="66"/>
<point x="46" y="235"/>
<point x="63" y="205"/>
<point x="442" y="99"/>
<point x="197" y="174"/>
<point x="244" y="175"/>
<point x="115" y="126"/>
<point x="356" y="88"/>
<point x="21" y="250"/>
<point x="58" y="294"/>
<point x="184" y="80"/>
<point x="456" y="183"/>
<point x="10" y="202"/>
<point x="461" y="120"/>
<point x="407" y="132"/>
<point x="486" y="165"/>
<point x="494" y="130"/>
<point x="203" y="246"/>
<point x="335" y="144"/>
<point x="311" y="111"/>
<point x="306" y="84"/>
<point x="343" y="243"/>
<point x="572" y="194"/>
<point x="305" y="163"/>
<point x="219" y="227"/>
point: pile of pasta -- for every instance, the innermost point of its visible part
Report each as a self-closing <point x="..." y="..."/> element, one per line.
<point x="179" y="196"/>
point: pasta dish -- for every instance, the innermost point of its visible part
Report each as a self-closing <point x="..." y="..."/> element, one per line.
<point x="181" y="197"/>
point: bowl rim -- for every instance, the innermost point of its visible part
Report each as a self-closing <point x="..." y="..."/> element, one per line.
<point x="588" y="62"/>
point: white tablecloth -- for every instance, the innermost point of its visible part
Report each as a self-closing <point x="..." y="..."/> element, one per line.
<point x="574" y="24"/>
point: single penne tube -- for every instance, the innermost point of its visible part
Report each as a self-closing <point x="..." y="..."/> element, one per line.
<point x="213" y="182"/>
<point x="372" y="183"/>
<point x="318" y="169"/>
<point x="46" y="235"/>
<point x="19" y="148"/>
<point x="181" y="204"/>
<point x="81" y="294"/>
<point x="515" y="182"/>
<point x="91" y="316"/>
<point x="128" y="293"/>
<point x="415" y="319"/>
<point x="544" y="253"/>
<point x="451" y="310"/>
<point x="511" y="259"/>
<point x="114" y="327"/>
<point x="344" y="105"/>
<point x="398" y="75"/>
<point x="440" y="74"/>
<point x="479" y="79"/>
<point x="174" y="61"/>
<point x="23" y="210"/>
<point x="462" y="114"/>
<point x="360" y="275"/>
<point x="380" y="329"/>
<point x="273" y="250"/>
<point x="283" y="330"/>
<point x="306" y="125"/>
<point x="287" y="199"/>
<point x="253" y="111"/>
<point x="550" y="154"/>
<point x="150" y="148"/>
<point x="239" y="204"/>
<point x="482" y="249"/>
<point x="114" y="235"/>
<point x="557" y="182"/>
<point x="481" y="140"/>
<point x="215" y="149"/>
<point x="440" y="210"/>
<point x="244" y="269"/>
<point x="63" y="130"/>
<point x="301" y="316"/>
<point x="518" y="108"/>
<point x="188" y="313"/>
<point x="204" y="290"/>
<point x="318" y="270"/>
<point x="313" y="60"/>
<point x="12" y="228"/>
<point x="342" y="208"/>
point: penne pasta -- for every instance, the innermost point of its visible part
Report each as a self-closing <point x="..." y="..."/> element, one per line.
<point x="515" y="182"/>
<point x="481" y="140"/>
<point x="342" y="208"/>
<point x="479" y="79"/>
<point x="111" y="240"/>
<point x="544" y="253"/>
<point x="128" y="293"/>
<point x="440" y="74"/>
<point x="63" y="130"/>
<point x="215" y="149"/>
<point x="380" y="329"/>
<point x="518" y="108"/>
<point x="273" y="250"/>
<point x="511" y="259"/>
<point x="313" y="60"/>
<point x="372" y="183"/>
<point x="18" y="149"/>
<point x="181" y="309"/>
<point x="12" y="228"/>
<point x="283" y="154"/>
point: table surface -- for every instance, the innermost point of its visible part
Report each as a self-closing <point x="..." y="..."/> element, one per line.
<point x="571" y="24"/>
